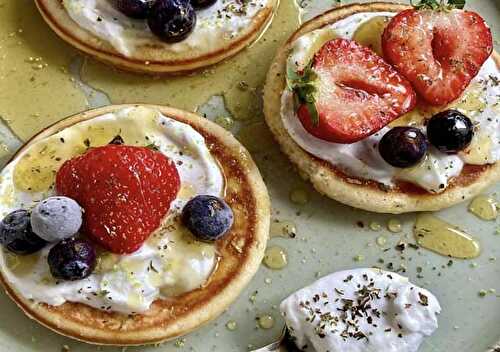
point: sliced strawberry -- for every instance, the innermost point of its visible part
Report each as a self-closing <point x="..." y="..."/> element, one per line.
<point x="356" y="93"/>
<point x="439" y="52"/>
<point x="125" y="192"/>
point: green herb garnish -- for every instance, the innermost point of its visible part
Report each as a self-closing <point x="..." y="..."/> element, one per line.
<point x="153" y="146"/>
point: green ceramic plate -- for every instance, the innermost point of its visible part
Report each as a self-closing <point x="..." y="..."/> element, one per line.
<point x="327" y="237"/>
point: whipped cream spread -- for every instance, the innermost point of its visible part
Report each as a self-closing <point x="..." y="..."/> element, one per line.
<point x="361" y="310"/>
<point x="480" y="102"/>
<point x="169" y="263"/>
<point x="216" y="24"/>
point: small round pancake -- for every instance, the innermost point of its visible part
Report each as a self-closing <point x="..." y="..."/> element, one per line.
<point x="240" y="251"/>
<point x="332" y="182"/>
<point x="150" y="59"/>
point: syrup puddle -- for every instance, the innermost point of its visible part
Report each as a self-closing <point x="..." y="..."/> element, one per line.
<point x="443" y="238"/>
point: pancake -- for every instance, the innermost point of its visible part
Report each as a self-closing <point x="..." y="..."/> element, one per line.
<point x="331" y="181"/>
<point x="150" y="58"/>
<point x="241" y="252"/>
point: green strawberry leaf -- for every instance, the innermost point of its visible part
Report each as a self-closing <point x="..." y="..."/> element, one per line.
<point x="291" y="78"/>
<point x="426" y="4"/>
<point x="304" y="88"/>
<point x="458" y="4"/>
<point x="438" y="4"/>
<point x="313" y="114"/>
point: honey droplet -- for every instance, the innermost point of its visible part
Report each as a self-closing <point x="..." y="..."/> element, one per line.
<point x="415" y="117"/>
<point x="265" y="321"/>
<point x="484" y="208"/>
<point x="231" y="325"/>
<point x="479" y="151"/>
<point x="443" y="238"/>
<point x="381" y="241"/>
<point x="106" y="261"/>
<point x="21" y="265"/>
<point x="275" y="258"/>
<point x="224" y="121"/>
<point x="472" y="100"/>
<point x="359" y="258"/>
<point x="187" y="191"/>
<point x="394" y="225"/>
<point x="284" y="228"/>
<point x="375" y="226"/>
<point x="299" y="196"/>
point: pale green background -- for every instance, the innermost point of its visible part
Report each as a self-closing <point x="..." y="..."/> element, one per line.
<point x="327" y="240"/>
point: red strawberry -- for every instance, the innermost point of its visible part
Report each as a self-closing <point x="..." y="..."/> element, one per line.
<point x="125" y="192"/>
<point x="356" y="93"/>
<point x="439" y="52"/>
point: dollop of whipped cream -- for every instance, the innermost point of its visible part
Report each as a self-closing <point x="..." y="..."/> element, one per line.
<point x="362" y="160"/>
<point x="171" y="261"/>
<point x="215" y="24"/>
<point x="361" y="310"/>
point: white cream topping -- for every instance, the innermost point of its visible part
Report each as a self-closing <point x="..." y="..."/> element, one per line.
<point x="216" y="24"/>
<point x="362" y="159"/>
<point x="361" y="310"/>
<point x="169" y="263"/>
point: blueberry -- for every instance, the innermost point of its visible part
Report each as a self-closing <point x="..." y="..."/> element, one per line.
<point x="72" y="259"/>
<point x="139" y="9"/>
<point x="207" y="217"/>
<point x="450" y="131"/>
<point x="172" y="20"/>
<point x="56" y="218"/>
<point x="201" y="4"/>
<point x="17" y="236"/>
<point x="403" y="146"/>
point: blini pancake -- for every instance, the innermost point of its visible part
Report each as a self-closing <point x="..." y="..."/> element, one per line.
<point x="240" y="251"/>
<point x="331" y="181"/>
<point x="151" y="58"/>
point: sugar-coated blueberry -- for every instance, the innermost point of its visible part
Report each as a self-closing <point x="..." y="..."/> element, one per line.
<point x="56" y="218"/>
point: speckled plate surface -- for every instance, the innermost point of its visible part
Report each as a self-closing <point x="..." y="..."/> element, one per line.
<point x="328" y="236"/>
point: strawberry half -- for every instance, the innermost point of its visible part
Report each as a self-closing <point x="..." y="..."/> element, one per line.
<point x="352" y="93"/>
<point x="438" y="51"/>
<point x="125" y="192"/>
